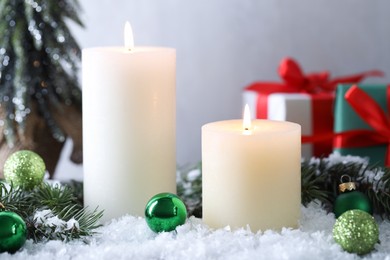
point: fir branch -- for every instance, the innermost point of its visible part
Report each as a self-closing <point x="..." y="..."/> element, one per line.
<point x="87" y="222"/>
<point x="370" y="179"/>
<point x="376" y="185"/>
<point x="41" y="62"/>
<point x="312" y="185"/>
<point x="72" y="7"/>
<point x="78" y="191"/>
<point x="189" y="188"/>
<point x="51" y="212"/>
<point x="55" y="196"/>
<point x="71" y="222"/>
<point x="63" y="204"/>
<point x="320" y="178"/>
<point x="15" y="199"/>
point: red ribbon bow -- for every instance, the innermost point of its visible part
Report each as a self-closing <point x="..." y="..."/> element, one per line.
<point x="295" y="81"/>
<point x="369" y="110"/>
<point x="291" y="73"/>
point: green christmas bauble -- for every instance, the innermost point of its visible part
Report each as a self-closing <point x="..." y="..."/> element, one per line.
<point x="164" y="212"/>
<point x="350" y="199"/>
<point x="13" y="232"/>
<point x="25" y="169"/>
<point x="356" y="232"/>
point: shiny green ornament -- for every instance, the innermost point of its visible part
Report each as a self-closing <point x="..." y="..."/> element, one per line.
<point x="350" y="198"/>
<point x="25" y="169"/>
<point x="356" y="232"/>
<point x="13" y="232"/>
<point x="164" y="212"/>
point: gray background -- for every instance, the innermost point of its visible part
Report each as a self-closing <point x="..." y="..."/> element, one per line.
<point x="224" y="45"/>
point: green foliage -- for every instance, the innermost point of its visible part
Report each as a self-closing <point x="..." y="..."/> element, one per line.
<point x="189" y="188"/>
<point x="319" y="182"/>
<point x="15" y="199"/>
<point x="312" y="185"/>
<point x="50" y="202"/>
<point x="38" y="61"/>
<point x="320" y="178"/>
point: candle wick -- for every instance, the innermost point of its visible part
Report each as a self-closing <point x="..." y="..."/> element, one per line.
<point x="247" y="131"/>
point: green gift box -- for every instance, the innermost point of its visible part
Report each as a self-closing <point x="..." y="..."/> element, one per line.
<point x="365" y="140"/>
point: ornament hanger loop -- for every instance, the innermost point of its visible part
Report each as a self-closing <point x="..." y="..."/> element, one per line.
<point x="348" y="185"/>
<point x="345" y="176"/>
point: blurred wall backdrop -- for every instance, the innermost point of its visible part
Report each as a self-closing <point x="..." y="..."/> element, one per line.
<point x="223" y="45"/>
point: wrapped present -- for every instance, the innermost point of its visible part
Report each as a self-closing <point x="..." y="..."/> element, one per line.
<point x="313" y="112"/>
<point x="362" y="122"/>
<point x="304" y="99"/>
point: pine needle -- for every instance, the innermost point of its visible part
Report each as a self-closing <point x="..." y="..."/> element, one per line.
<point x="319" y="183"/>
<point x="51" y="212"/>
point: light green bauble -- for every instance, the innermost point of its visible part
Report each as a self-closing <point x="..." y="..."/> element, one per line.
<point x="356" y="232"/>
<point x="24" y="169"/>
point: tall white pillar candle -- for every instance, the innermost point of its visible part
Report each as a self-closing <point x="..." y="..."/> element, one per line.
<point x="251" y="177"/>
<point x="128" y="127"/>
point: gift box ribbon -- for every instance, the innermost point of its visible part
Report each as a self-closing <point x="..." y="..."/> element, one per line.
<point x="313" y="84"/>
<point x="371" y="113"/>
<point x="292" y="75"/>
<point x="295" y="81"/>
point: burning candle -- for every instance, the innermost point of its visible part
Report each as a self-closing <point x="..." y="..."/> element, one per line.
<point x="251" y="174"/>
<point x="129" y="111"/>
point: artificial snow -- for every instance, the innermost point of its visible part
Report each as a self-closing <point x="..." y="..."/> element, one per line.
<point x="130" y="238"/>
<point x="47" y="219"/>
<point x="193" y="175"/>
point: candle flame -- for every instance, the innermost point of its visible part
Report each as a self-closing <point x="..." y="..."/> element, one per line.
<point x="129" y="39"/>
<point x="247" y="122"/>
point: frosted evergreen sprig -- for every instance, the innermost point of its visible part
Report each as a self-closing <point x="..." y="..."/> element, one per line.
<point x="51" y="212"/>
<point x="56" y="211"/>
<point x="320" y="178"/>
<point x="189" y="188"/>
<point x="370" y="179"/>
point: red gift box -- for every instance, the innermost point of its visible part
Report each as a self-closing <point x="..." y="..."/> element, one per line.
<point x="297" y="88"/>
